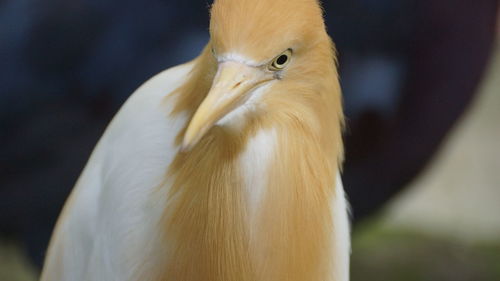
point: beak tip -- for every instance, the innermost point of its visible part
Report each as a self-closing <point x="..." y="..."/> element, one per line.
<point x="185" y="146"/>
<point x="191" y="136"/>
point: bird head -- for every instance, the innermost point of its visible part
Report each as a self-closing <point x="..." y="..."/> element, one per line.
<point x="263" y="49"/>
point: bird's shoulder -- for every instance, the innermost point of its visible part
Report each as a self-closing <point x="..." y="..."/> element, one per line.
<point x="162" y="84"/>
<point x="149" y="106"/>
<point x="126" y="166"/>
<point x="141" y="135"/>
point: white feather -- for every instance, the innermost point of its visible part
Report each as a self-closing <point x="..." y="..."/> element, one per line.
<point x="255" y="162"/>
<point x="237" y="58"/>
<point x="342" y="233"/>
<point x="110" y="223"/>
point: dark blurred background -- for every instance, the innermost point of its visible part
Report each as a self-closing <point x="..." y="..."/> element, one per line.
<point x="409" y="70"/>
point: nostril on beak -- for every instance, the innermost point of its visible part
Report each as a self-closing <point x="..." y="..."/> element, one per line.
<point x="236" y="85"/>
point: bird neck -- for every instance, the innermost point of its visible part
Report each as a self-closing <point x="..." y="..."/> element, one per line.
<point x="212" y="233"/>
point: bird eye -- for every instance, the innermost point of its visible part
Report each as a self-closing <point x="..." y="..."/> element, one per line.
<point x="281" y="61"/>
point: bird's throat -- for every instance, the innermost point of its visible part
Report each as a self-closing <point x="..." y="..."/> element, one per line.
<point x="216" y="221"/>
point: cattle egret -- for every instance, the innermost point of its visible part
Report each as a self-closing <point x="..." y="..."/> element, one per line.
<point x="225" y="168"/>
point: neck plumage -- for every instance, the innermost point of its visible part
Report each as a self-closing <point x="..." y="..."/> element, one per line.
<point x="211" y="233"/>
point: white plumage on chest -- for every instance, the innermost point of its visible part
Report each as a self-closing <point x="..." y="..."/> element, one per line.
<point x="107" y="230"/>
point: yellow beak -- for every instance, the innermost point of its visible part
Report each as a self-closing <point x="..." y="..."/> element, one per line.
<point x="230" y="89"/>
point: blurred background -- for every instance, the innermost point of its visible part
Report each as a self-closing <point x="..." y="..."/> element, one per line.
<point x="421" y="84"/>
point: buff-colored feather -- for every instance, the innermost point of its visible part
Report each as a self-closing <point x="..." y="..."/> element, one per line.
<point x="207" y="228"/>
<point x="292" y="237"/>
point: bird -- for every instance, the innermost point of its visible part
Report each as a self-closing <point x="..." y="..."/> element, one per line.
<point x="224" y="168"/>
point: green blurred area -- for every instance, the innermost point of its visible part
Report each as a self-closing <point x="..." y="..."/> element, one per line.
<point x="381" y="254"/>
<point x="14" y="265"/>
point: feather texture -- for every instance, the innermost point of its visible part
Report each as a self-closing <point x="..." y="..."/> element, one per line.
<point x="257" y="198"/>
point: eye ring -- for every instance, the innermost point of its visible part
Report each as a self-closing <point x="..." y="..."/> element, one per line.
<point x="279" y="62"/>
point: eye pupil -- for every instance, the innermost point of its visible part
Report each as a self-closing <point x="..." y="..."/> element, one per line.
<point x="279" y="62"/>
<point x="282" y="60"/>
